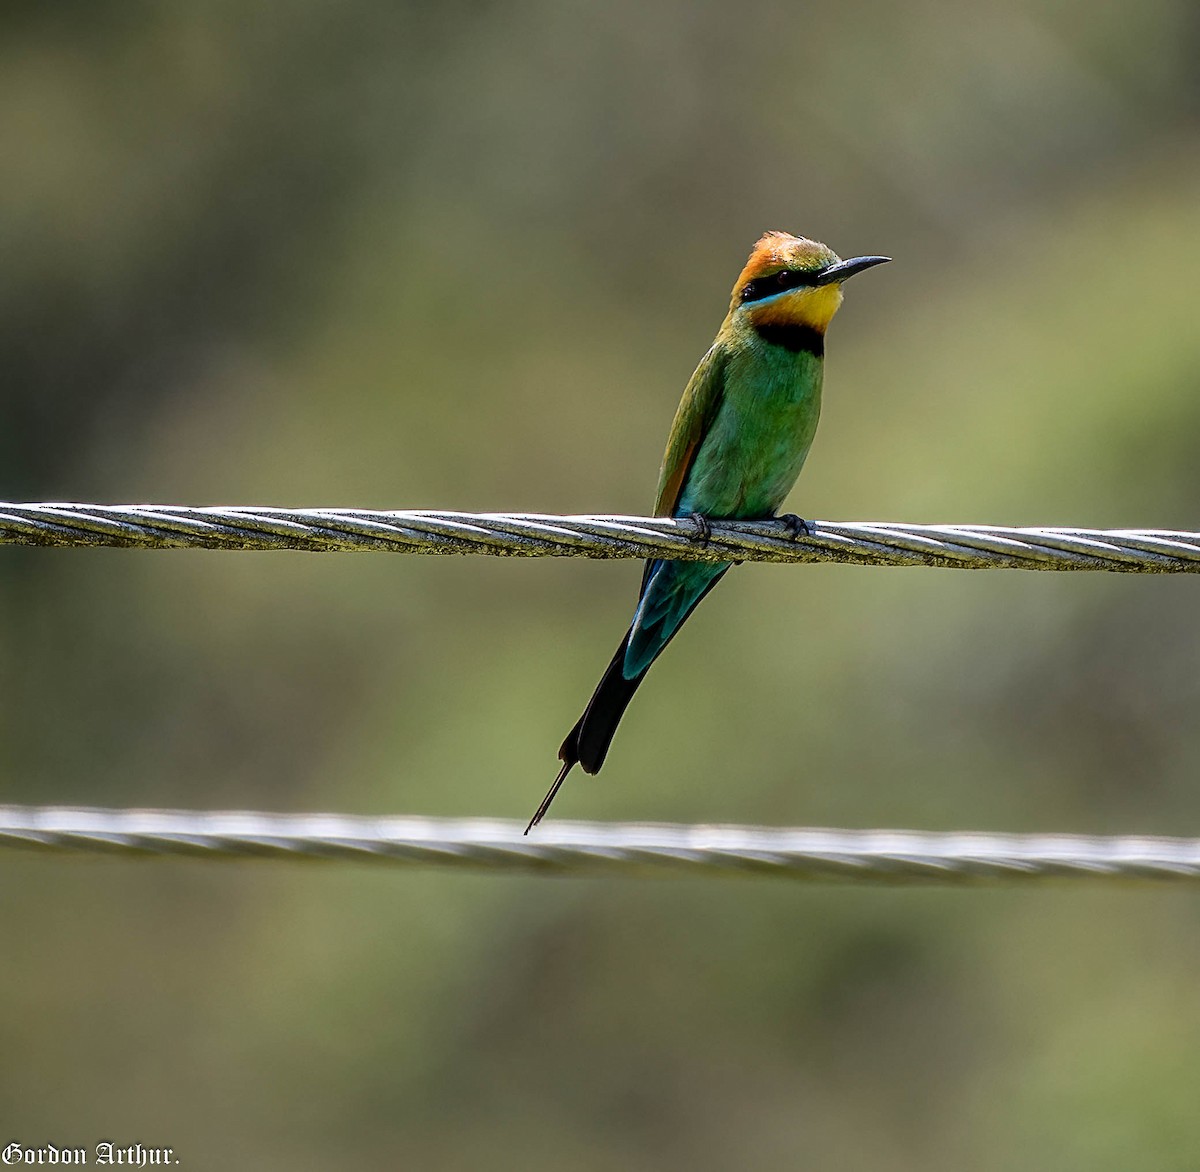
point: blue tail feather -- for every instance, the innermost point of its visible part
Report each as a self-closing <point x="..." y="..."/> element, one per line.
<point x="672" y="590"/>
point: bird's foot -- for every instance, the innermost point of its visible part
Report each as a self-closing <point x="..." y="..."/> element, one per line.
<point x="703" y="528"/>
<point x="797" y="526"/>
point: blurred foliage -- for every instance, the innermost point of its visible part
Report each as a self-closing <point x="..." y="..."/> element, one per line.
<point x="466" y="255"/>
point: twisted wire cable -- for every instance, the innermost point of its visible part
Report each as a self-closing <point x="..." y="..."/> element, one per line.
<point x="973" y="547"/>
<point x="581" y="848"/>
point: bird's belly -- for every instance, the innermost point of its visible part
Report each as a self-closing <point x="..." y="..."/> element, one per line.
<point x="753" y="454"/>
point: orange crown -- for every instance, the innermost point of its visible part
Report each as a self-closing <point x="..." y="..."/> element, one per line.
<point x="782" y="250"/>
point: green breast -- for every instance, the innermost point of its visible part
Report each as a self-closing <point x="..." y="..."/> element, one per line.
<point x="754" y="450"/>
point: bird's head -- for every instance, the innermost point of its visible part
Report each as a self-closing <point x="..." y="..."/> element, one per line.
<point x="790" y="280"/>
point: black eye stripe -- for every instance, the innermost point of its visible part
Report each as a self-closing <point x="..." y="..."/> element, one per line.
<point x="778" y="282"/>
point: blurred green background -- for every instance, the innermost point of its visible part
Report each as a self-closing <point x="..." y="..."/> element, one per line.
<point x="466" y="255"/>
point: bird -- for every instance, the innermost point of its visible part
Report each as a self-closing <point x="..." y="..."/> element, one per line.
<point x="739" y="439"/>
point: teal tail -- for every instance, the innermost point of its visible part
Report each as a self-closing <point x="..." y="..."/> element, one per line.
<point x="670" y="592"/>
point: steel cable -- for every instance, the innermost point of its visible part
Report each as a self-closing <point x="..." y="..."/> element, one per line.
<point x="569" y="848"/>
<point x="539" y="535"/>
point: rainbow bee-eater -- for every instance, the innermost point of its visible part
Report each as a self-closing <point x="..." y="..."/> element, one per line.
<point x="739" y="440"/>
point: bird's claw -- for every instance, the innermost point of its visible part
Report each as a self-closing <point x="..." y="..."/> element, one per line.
<point x="797" y="526"/>
<point x="703" y="528"/>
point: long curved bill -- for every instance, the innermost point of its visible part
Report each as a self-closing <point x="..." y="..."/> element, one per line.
<point x="845" y="269"/>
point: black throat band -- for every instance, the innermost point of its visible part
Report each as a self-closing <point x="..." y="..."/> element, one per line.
<point x="793" y="336"/>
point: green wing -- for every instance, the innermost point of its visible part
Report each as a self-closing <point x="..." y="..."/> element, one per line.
<point x="697" y="409"/>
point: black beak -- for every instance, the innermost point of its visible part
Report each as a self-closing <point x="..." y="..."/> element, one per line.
<point x="845" y="269"/>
